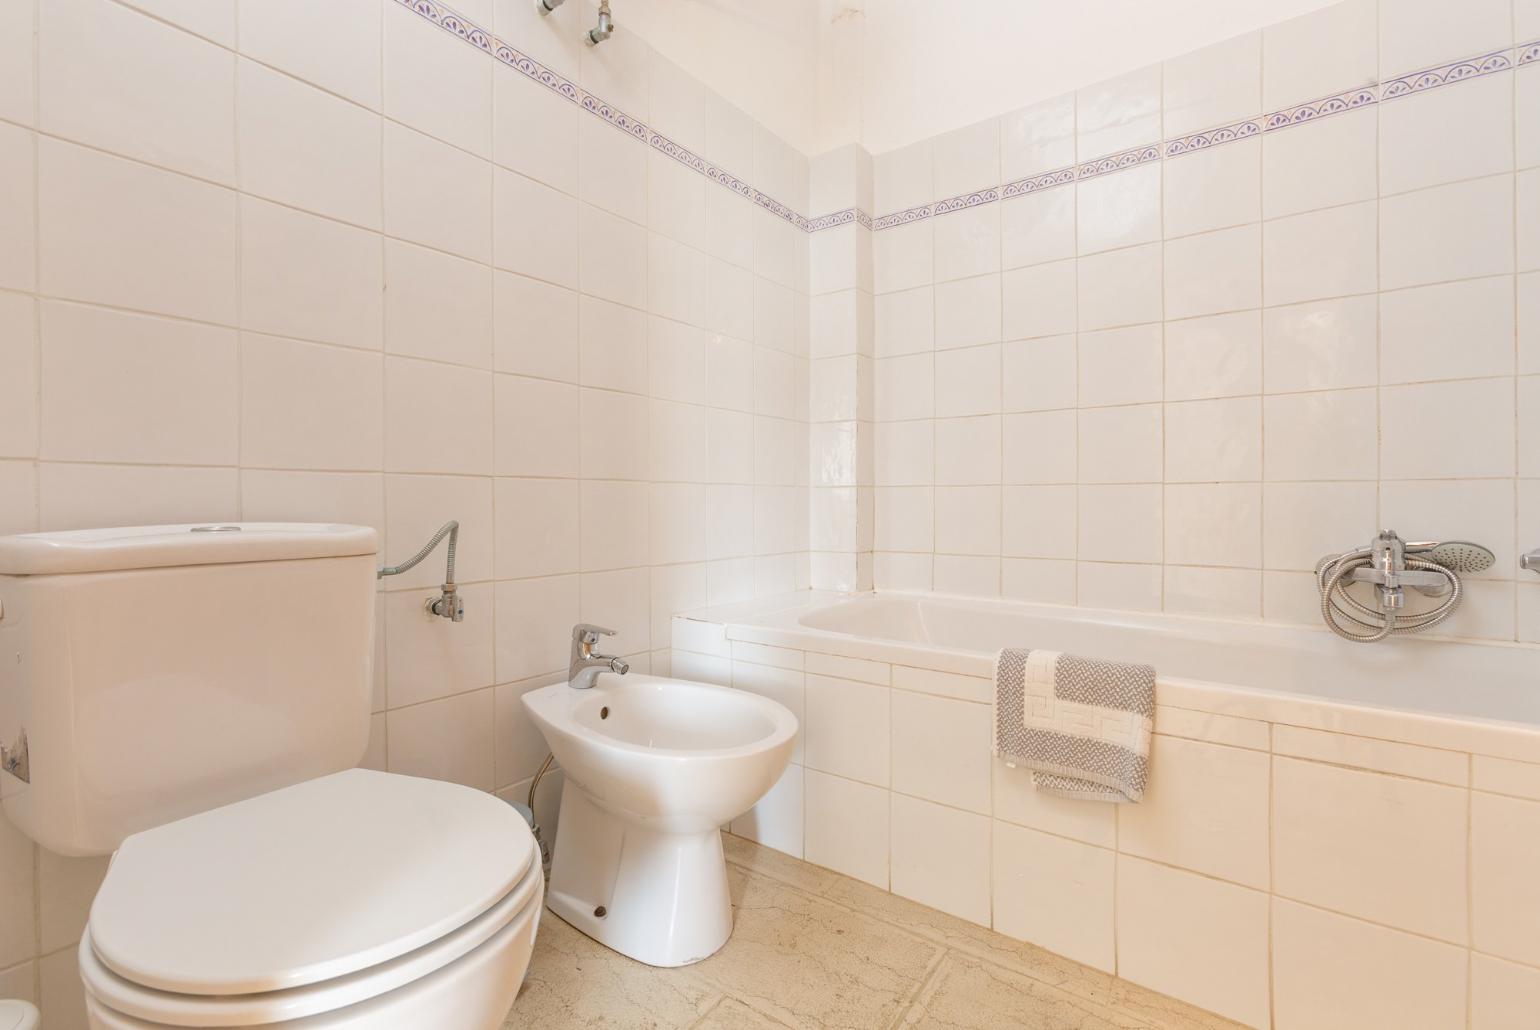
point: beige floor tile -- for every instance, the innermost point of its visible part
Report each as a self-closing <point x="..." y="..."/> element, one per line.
<point x="573" y="981"/>
<point x="966" y="994"/>
<point x="732" y="1014"/>
<point x="777" y="865"/>
<point x="811" y="963"/>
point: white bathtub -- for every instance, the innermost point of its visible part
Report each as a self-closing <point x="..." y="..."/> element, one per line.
<point x="1439" y="692"/>
<point x="1324" y="820"/>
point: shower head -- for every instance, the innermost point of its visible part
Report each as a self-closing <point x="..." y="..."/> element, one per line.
<point x="1459" y="556"/>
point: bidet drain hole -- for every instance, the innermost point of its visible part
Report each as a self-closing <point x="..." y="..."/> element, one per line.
<point x="604" y="713"/>
<point x="600" y="912"/>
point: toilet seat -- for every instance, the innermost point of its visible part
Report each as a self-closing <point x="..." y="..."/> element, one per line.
<point x="307" y="900"/>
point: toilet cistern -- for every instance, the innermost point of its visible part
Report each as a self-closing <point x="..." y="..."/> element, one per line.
<point x="586" y="663"/>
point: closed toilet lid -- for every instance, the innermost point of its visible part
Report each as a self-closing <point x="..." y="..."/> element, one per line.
<point x="17" y="1015"/>
<point x="305" y="884"/>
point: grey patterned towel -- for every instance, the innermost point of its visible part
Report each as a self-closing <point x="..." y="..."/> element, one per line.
<point x="1081" y="725"/>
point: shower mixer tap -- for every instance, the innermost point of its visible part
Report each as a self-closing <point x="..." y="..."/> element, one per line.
<point x="1530" y="561"/>
<point x="1391" y="565"/>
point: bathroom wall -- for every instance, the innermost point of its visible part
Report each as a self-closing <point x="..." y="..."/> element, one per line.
<point x="290" y="260"/>
<point x="1162" y="342"/>
<point x="896" y="71"/>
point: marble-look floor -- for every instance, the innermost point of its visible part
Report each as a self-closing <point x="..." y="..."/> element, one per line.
<point x="811" y="948"/>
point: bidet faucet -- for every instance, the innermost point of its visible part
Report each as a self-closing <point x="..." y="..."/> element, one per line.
<point x="587" y="664"/>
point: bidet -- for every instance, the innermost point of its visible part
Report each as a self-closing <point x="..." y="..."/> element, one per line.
<point x="654" y="767"/>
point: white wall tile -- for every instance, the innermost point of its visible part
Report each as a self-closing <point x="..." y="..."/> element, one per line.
<point x="1199" y="939"/>
<point x="1316" y="436"/>
<point x="18" y="376"/>
<point x="1327" y="253"/>
<point x="1321" y="163"/>
<point x="1214" y="272"/>
<point x="1122" y="287"/>
<point x="304" y="147"/>
<point x="1387" y="849"/>
<point x="968" y="312"/>
<point x="941" y="858"/>
<point x="437" y="306"/>
<point x="305" y="405"/>
<point x="309" y="277"/>
<point x="1039" y="447"/>
<point x="847" y="827"/>
<point x="1438" y="430"/>
<point x="1320" y="345"/>
<point x="134" y="388"/>
<point x="940" y="750"/>
<point x="18" y="209"/>
<point x="116" y="232"/>
<point x="1055" y="893"/>
<point x="1444" y="135"/>
<point x="534" y="229"/>
<point x="1119" y="210"/>
<point x="1319" y="53"/>
<point x="76" y="496"/>
<point x="114" y="79"/>
<point x="1458" y="231"/>
<point x="341" y="52"/>
<point x="1216" y="85"/>
<point x="1213" y="189"/>
<point x="1332" y="973"/>
<point x="437" y="195"/>
<point x="1416" y="34"/>
<point x="1038" y="227"/>
<point x="448" y="739"/>
<point x="1214" y="356"/>
<point x="18" y="25"/>
<point x="1039" y="138"/>
<point x="1214" y="441"/>
<point x="1038" y="375"/>
<point x="433" y="85"/>
<point x="1120" y="366"/>
<point x="1120" y="445"/>
<point x="1118" y="114"/>
<point x="1502" y="994"/>
<point x="846" y="730"/>
<point x="1205" y="810"/>
<point x="1039" y="301"/>
<point x="1504" y="832"/>
<point x="415" y="444"/>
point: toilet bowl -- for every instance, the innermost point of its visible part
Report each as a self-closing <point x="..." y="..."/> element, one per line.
<point x="654" y="767"/>
<point x="359" y="900"/>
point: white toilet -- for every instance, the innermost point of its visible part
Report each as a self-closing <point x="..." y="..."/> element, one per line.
<point x="17" y="1015"/>
<point x="195" y="699"/>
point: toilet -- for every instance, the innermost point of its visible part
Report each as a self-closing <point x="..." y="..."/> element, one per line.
<point x="193" y="700"/>
<point x="17" y="1015"/>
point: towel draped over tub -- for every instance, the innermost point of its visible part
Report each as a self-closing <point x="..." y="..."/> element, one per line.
<point x="1081" y="725"/>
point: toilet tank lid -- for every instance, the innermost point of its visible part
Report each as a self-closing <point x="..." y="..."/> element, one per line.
<point x="150" y="547"/>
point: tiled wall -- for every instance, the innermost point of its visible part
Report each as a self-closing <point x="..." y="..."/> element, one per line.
<point x="1162" y="343"/>
<point x="1282" y="876"/>
<point x="364" y="261"/>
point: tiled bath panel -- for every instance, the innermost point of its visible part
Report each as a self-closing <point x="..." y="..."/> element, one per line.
<point x="1278" y="874"/>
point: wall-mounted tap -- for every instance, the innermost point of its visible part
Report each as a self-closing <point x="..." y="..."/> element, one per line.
<point x="1530" y="561"/>
<point x="586" y="663"/>
<point x="1391" y="565"/>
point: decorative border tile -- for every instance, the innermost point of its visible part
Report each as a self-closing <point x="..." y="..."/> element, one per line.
<point x="1213" y="138"/>
<point x="1037" y="183"/>
<point x="468" y="31"/>
<point x="1445" y="74"/>
<point x="1119" y="161"/>
<point x="1338" y="103"/>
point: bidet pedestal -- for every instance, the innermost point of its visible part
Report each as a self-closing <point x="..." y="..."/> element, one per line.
<point x="656" y="896"/>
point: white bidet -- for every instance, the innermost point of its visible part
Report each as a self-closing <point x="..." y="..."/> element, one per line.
<point x="653" y="768"/>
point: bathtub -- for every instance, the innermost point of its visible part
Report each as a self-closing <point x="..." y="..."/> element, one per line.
<point x="1323" y="819"/>
<point x="1440" y="692"/>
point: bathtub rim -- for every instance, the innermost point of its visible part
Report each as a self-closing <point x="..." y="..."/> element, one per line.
<point x="774" y="622"/>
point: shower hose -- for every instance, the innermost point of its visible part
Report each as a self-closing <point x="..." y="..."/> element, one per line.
<point x="1353" y="620"/>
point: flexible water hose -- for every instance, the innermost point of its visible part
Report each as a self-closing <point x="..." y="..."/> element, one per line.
<point x="1342" y="611"/>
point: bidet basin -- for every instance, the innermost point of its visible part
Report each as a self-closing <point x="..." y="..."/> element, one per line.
<point x="654" y="767"/>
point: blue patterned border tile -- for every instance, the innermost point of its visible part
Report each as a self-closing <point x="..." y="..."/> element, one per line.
<point x="1117" y="162"/>
<point x="849" y="216"/>
<point x="914" y="214"/>
<point x="1309" y="112"/>
<point x="965" y="201"/>
<point x="1037" y="183"/>
<point x="1529" y="53"/>
<point x="1443" y="75"/>
<point x="1213" y="138"/>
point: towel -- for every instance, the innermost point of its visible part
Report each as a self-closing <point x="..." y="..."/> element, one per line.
<point x="1081" y="725"/>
